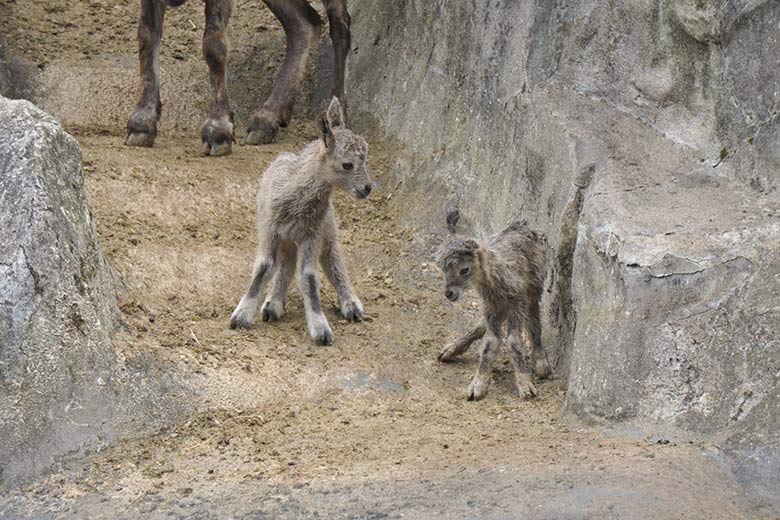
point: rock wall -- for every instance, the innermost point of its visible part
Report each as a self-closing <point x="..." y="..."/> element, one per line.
<point x="642" y="138"/>
<point x="62" y="385"/>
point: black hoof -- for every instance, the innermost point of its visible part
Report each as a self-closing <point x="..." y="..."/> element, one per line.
<point x="140" y="139"/>
<point x="142" y="126"/>
<point x="216" y="134"/>
<point x="216" y="149"/>
<point x="261" y="131"/>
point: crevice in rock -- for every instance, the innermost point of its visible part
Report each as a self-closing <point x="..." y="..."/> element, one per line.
<point x="37" y="284"/>
<point x="562" y="313"/>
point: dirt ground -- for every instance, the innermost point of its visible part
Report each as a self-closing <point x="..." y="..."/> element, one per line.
<point x="371" y="427"/>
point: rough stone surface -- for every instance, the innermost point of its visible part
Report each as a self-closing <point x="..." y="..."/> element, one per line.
<point x="62" y="386"/>
<point x="642" y="138"/>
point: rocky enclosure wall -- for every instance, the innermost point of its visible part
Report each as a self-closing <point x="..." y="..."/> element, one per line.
<point x="643" y="139"/>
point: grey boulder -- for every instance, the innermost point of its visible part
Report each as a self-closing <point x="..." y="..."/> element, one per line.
<point x="59" y="375"/>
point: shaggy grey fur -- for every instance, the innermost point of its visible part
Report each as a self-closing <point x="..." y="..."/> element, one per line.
<point x="508" y="271"/>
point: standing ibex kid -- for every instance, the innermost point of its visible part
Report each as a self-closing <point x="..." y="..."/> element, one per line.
<point x="508" y="271"/>
<point x="296" y="221"/>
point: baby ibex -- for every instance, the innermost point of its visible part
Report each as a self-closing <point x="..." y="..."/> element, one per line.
<point x="295" y="220"/>
<point x="509" y="272"/>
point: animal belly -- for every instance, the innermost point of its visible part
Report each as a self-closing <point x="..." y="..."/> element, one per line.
<point x="299" y="225"/>
<point x="295" y="232"/>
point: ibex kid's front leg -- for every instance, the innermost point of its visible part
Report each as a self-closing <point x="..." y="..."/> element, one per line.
<point x="350" y="307"/>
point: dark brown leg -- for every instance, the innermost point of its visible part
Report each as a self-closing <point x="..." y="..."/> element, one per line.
<point x="340" y="37"/>
<point x="302" y="26"/>
<point x="142" y="125"/>
<point x="217" y="132"/>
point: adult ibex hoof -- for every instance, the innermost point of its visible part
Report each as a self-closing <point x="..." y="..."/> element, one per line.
<point x="261" y="131"/>
<point x="217" y="135"/>
<point x="217" y="149"/>
<point x="142" y="126"/>
<point x="140" y="139"/>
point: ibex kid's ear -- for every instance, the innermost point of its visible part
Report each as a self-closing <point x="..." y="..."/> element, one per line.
<point x="453" y="216"/>
<point x="335" y="114"/>
<point x="327" y="134"/>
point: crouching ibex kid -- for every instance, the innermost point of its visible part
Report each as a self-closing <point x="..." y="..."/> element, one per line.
<point x="508" y="271"/>
<point x="296" y="222"/>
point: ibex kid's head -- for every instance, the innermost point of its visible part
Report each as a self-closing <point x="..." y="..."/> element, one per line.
<point x="459" y="260"/>
<point x="346" y="153"/>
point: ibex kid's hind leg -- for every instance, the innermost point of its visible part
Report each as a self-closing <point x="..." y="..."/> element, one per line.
<point x="142" y="125"/>
<point x="532" y="330"/>
<point x="479" y="385"/>
<point x="246" y="309"/>
<point x="309" y="285"/>
<point x="350" y="306"/>
<point x="217" y="131"/>
<point x="302" y="26"/>
<point x="462" y="344"/>
<point x="523" y="381"/>
<point x="273" y="307"/>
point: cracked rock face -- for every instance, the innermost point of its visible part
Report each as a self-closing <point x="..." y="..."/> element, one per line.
<point x="642" y="139"/>
<point x="58" y="371"/>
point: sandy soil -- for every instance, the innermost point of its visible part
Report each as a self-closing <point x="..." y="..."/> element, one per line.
<point x="371" y="427"/>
